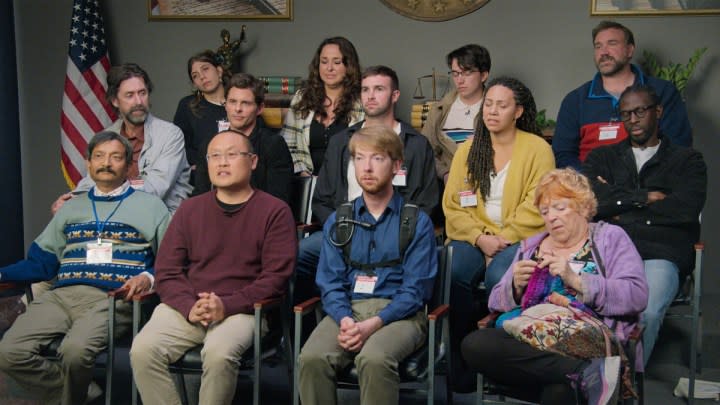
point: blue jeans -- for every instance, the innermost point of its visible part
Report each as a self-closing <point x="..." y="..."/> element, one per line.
<point x="306" y="267"/>
<point x="663" y="281"/>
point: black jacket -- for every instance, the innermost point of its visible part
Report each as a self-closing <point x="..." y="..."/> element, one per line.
<point x="666" y="229"/>
<point x="332" y="188"/>
<point x="274" y="169"/>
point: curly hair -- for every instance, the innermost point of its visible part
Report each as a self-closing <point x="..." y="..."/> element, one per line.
<point x="313" y="91"/>
<point x="210" y="57"/>
<point x="567" y="183"/>
<point x="480" y="162"/>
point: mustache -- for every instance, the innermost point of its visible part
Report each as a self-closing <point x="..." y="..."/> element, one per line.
<point x="607" y="57"/>
<point x="106" y="170"/>
<point x="139" y="108"/>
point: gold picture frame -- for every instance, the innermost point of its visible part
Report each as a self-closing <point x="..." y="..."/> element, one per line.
<point x="220" y="9"/>
<point x="654" y="7"/>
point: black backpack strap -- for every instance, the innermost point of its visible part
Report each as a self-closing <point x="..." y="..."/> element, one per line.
<point x="408" y="223"/>
<point x="343" y="229"/>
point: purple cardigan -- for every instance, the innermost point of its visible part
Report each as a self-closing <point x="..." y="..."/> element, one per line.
<point x="620" y="297"/>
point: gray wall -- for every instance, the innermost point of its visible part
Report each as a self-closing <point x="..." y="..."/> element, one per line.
<point x="546" y="43"/>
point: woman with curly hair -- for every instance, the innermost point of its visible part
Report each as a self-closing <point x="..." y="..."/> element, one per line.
<point x="489" y="197"/>
<point x="328" y="103"/>
<point x="202" y="114"/>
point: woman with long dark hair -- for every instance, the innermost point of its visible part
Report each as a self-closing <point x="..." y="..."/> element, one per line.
<point x="202" y="114"/>
<point x="489" y="197"/>
<point x="328" y="102"/>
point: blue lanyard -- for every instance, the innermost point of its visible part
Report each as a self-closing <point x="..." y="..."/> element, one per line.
<point x="101" y="226"/>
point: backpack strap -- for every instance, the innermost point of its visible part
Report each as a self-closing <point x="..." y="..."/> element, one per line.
<point x="344" y="229"/>
<point x="408" y="223"/>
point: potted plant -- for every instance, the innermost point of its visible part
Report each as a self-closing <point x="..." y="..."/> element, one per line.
<point x="546" y="125"/>
<point x="675" y="73"/>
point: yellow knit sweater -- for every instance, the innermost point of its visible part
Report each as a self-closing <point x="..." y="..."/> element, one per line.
<point x="531" y="158"/>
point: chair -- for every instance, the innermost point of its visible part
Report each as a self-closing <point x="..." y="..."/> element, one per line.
<point x="106" y="359"/>
<point x="421" y="366"/>
<point x="301" y="191"/>
<point x="262" y="348"/>
<point x="488" y="387"/>
<point x="689" y="295"/>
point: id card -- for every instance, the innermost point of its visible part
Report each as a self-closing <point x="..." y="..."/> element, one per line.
<point x="608" y="132"/>
<point x="576" y="266"/>
<point x="400" y="178"/>
<point x="365" y="284"/>
<point x="99" y="253"/>
<point x="137" y="184"/>
<point x="223" y="125"/>
<point x="468" y="199"/>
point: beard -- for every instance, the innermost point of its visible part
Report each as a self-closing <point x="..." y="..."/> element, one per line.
<point x="617" y="66"/>
<point x="135" y="119"/>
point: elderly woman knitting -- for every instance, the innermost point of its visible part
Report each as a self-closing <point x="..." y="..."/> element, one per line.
<point x="569" y="301"/>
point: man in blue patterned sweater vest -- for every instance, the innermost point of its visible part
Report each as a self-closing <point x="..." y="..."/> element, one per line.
<point x="101" y="240"/>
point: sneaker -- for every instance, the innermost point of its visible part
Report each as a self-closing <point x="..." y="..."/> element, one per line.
<point x="600" y="381"/>
<point x="94" y="392"/>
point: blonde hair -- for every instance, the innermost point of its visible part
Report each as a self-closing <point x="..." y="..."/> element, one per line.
<point x="567" y="183"/>
<point x="379" y="138"/>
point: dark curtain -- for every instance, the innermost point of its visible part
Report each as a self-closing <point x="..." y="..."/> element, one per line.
<point x="11" y="218"/>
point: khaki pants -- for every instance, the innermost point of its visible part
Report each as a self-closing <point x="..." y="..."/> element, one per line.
<point x="79" y="312"/>
<point x="168" y="335"/>
<point x="321" y="359"/>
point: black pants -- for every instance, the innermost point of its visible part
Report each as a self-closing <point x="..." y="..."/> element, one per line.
<point x="532" y="374"/>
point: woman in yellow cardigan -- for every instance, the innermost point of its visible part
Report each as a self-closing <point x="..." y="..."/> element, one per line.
<point x="488" y="200"/>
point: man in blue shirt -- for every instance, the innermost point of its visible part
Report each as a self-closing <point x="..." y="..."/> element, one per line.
<point x="375" y="308"/>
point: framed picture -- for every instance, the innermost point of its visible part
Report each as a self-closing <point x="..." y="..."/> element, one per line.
<point x="654" y="7"/>
<point x="220" y="9"/>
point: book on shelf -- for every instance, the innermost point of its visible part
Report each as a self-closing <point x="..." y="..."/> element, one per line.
<point x="281" y="84"/>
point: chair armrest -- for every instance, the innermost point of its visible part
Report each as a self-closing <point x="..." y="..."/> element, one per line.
<point x="306" y="306"/>
<point x="13" y="288"/>
<point x="488" y="321"/>
<point x="145" y="296"/>
<point x="309" y="228"/>
<point x="439" y="312"/>
<point x="11" y="285"/>
<point x="118" y="293"/>
<point x="268" y="303"/>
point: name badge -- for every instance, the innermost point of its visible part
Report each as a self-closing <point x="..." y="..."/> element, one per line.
<point x="576" y="266"/>
<point x="137" y="184"/>
<point x="223" y="125"/>
<point x="609" y="131"/>
<point x="400" y="178"/>
<point x="365" y="284"/>
<point x="468" y="199"/>
<point x="99" y="253"/>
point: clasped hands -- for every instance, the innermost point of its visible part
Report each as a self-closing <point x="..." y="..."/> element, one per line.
<point x="207" y="309"/>
<point x="353" y="335"/>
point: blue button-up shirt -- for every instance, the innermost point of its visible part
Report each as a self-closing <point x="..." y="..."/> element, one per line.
<point x="408" y="285"/>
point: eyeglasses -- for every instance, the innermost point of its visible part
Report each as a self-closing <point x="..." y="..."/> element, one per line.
<point x="639" y="112"/>
<point x="231" y="156"/>
<point x="464" y="73"/>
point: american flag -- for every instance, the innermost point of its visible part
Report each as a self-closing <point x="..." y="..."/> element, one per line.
<point x="84" y="109"/>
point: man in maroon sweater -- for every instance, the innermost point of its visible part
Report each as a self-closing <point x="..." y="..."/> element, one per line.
<point x="223" y="251"/>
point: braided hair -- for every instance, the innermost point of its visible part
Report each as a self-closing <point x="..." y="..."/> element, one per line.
<point x="481" y="159"/>
<point x="313" y="92"/>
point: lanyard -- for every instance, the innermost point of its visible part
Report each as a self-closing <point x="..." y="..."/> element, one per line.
<point x="101" y="226"/>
